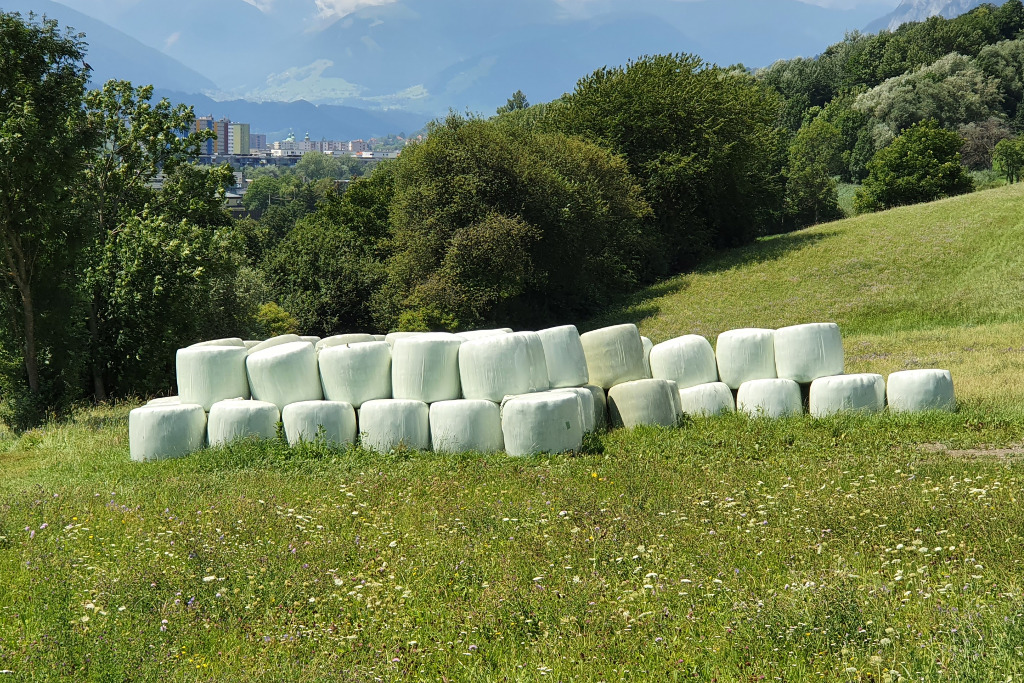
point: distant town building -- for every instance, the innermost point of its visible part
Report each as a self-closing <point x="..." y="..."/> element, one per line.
<point x="257" y="141"/>
<point x="206" y="123"/>
<point x="239" y="139"/>
<point x="357" y="146"/>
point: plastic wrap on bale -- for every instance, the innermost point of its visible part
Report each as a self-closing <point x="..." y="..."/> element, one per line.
<point x="469" y="335"/>
<point x="333" y="422"/>
<point x="915" y="391"/>
<point x="745" y="355"/>
<point x="707" y="400"/>
<point x="357" y="373"/>
<point x="614" y="355"/>
<point x="387" y="424"/>
<point x="236" y="419"/>
<point x="249" y="343"/>
<point x="343" y="339"/>
<point x="644" y="402"/>
<point x="600" y="405"/>
<point x="466" y="425"/>
<point x="228" y="341"/>
<point x="688" y="361"/>
<point x="207" y="374"/>
<point x="392" y="337"/>
<point x="494" y="367"/>
<point x="157" y="432"/>
<point x="864" y="393"/>
<point x="426" y="367"/>
<point x="803" y="353"/>
<point x="545" y="422"/>
<point x="283" y="374"/>
<point x="564" y="357"/>
<point x="648" y="345"/>
<point x="164" y="401"/>
<point x="275" y="341"/>
<point x="588" y="412"/>
<point x="770" y="398"/>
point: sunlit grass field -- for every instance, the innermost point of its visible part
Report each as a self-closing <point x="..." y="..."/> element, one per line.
<point x="859" y="548"/>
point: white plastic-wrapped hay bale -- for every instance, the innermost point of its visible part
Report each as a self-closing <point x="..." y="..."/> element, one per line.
<point x="283" y="374"/>
<point x="466" y="425"/>
<point x="249" y="343"/>
<point x="380" y="337"/>
<point x="644" y="402"/>
<point x="229" y="341"/>
<point x="538" y="363"/>
<point x="392" y="337"/>
<point x="470" y="335"/>
<point x="342" y="339"/>
<point x="311" y="338"/>
<point x="494" y="367"/>
<point x="770" y="398"/>
<point x="614" y="355"/>
<point x="688" y="361"/>
<point x="207" y="374"/>
<point x="386" y="424"/>
<point x="564" y="357"/>
<point x="707" y="400"/>
<point x="863" y="393"/>
<point x="165" y="401"/>
<point x="357" y="373"/>
<point x="333" y="421"/>
<point x="913" y="391"/>
<point x="745" y="355"/>
<point x="426" y="367"/>
<point x="156" y="432"/>
<point x="648" y="345"/>
<point x="803" y="353"/>
<point x="600" y="405"/>
<point x="275" y="341"/>
<point x="545" y="422"/>
<point x="234" y="419"/>
<point x="588" y="413"/>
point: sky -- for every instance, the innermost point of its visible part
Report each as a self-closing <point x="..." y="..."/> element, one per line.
<point x="106" y="10"/>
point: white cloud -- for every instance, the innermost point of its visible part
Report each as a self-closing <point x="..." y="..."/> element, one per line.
<point x="335" y="9"/>
<point x="171" y="39"/>
<point x="262" y="5"/>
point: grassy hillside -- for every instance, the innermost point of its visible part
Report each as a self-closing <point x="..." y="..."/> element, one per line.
<point x="858" y="548"/>
<point x="936" y="284"/>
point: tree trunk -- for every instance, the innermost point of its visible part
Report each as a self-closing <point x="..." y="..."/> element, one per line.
<point x="98" y="385"/>
<point x="31" y="363"/>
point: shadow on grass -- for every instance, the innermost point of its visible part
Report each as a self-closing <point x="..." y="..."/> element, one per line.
<point x="644" y="303"/>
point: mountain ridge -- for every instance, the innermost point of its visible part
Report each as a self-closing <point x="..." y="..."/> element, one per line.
<point x="920" y="10"/>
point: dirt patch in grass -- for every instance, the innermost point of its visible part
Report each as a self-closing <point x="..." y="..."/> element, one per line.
<point x="1012" y="452"/>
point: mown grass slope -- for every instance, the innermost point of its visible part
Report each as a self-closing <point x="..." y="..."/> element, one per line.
<point x="939" y="284"/>
<point x="858" y="548"/>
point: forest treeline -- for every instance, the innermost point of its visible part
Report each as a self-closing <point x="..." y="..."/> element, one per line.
<point x="538" y="214"/>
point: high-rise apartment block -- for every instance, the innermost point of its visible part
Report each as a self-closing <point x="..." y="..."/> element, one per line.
<point x="239" y="139"/>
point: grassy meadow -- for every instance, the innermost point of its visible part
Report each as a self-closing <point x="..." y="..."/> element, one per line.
<point x="857" y="548"/>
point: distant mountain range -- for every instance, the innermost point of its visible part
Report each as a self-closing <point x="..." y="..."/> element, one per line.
<point x="919" y="10"/>
<point x="316" y="65"/>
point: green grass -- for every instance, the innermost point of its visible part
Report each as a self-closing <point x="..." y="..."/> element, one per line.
<point x="845" y="193"/>
<point x="879" y="548"/>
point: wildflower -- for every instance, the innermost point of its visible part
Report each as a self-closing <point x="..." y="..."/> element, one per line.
<point x="163" y="625"/>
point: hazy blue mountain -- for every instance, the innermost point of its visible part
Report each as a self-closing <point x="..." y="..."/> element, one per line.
<point x="113" y="54"/>
<point x="277" y="119"/>
<point x="919" y="10"/>
<point x="432" y="55"/>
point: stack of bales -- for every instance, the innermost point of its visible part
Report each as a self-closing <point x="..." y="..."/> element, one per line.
<point x="493" y="390"/>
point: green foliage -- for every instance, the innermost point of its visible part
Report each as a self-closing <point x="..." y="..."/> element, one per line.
<point x="952" y="91"/>
<point x="980" y="140"/>
<point x="492" y="223"/>
<point x="272" y="320"/>
<point x="1008" y="158"/>
<point x="517" y="102"/>
<point x="702" y="141"/>
<point x="921" y="165"/>
<point x="43" y="138"/>
<point x="159" y="276"/>
<point x="811" y="191"/>
<point x="324" y="273"/>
